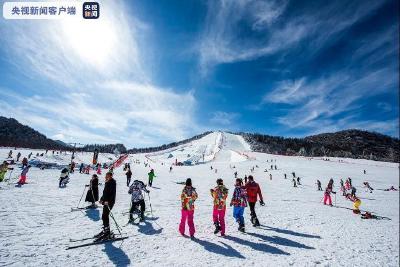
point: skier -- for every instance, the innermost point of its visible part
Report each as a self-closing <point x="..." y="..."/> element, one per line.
<point x="92" y="194"/>
<point x="285" y="176"/>
<point x="72" y="166"/>
<point x="170" y="169"/>
<point x="3" y="170"/>
<point x="128" y="177"/>
<point x="235" y="174"/>
<point x="294" y="182"/>
<point x="368" y="187"/>
<point x="350" y="181"/>
<point x="219" y="194"/>
<point x="347" y="185"/>
<point x="319" y="185"/>
<point x="353" y="191"/>
<point x="188" y="197"/>
<point x="64" y="179"/>
<point x="270" y="176"/>
<point x="137" y="198"/>
<point x="245" y="179"/>
<point x="108" y="201"/>
<point x="239" y="203"/>
<point x="22" y="179"/>
<point x="327" y="194"/>
<point x="10" y="154"/>
<point x="24" y="162"/>
<point x="365" y="172"/>
<point x="151" y="177"/>
<point x="253" y="191"/>
<point x="18" y="156"/>
<point x="98" y="169"/>
<point x="356" y="201"/>
<point x="81" y="168"/>
<point x="294" y="174"/>
<point x="298" y="181"/>
<point x="30" y="155"/>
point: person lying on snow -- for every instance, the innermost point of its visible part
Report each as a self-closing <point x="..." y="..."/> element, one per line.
<point x="368" y="187"/>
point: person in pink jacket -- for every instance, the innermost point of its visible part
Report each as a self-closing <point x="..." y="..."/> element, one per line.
<point x="188" y="197"/>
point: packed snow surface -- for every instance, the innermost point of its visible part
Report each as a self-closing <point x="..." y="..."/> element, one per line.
<point x="296" y="228"/>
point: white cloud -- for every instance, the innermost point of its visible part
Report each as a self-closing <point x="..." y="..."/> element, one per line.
<point x="102" y="90"/>
<point x="222" y="41"/>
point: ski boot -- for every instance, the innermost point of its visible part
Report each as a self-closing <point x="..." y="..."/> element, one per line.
<point x="256" y="222"/>
<point x="241" y="227"/>
<point x="217" y="228"/>
<point x="104" y="234"/>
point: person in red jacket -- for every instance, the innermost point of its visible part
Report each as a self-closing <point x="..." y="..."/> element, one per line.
<point x="253" y="190"/>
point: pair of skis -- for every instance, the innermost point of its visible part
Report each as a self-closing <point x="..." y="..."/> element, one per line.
<point x="117" y="237"/>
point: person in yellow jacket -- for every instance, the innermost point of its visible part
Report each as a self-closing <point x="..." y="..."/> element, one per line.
<point x="188" y="197"/>
<point x="219" y="194"/>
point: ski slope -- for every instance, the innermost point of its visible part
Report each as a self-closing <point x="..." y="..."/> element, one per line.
<point x="214" y="147"/>
<point x="297" y="230"/>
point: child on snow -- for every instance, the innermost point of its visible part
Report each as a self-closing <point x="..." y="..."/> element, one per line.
<point x="151" y="177"/>
<point x="356" y="201"/>
<point x="319" y="185"/>
<point x="239" y="203"/>
<point x="22" y="179"/>
<point x="3" y="170"/>
<point x="219" y="194"/>
<point x="63" y="177"/>
<point x="188" y="197"/>
<point x="136" y="190"/>
<point x="327" y="194"/>
<point x="366" y="184"/>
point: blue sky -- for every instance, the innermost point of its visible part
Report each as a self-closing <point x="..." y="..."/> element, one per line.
<point x="151" y="72"/>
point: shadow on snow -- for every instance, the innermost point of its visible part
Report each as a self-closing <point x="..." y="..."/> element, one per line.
<point x="257" y="246"/>
<point x="224" y="250"/>
<point x="93" y="214"/>
<point x="116" y="255"/>
<point x="280" y="241"/>
<point x="288" y="232"/>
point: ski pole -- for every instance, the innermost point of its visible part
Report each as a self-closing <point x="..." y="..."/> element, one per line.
<point x="112" y="217"/>
<point x="335" y="199"/>
<point x="151" y="209"/>
<point x="84" y="189"/>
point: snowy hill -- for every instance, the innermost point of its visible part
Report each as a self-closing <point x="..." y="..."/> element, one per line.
<point x="296" y="228"/>
<point x="214" y="147"/>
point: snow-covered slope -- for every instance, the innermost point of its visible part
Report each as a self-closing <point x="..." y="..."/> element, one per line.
<point x="216" y="146"/>
<point x="37" y="222"/>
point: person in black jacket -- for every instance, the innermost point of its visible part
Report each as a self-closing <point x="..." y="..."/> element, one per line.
<point x="128" y="176"/>
<point x="108" y="201"/>
<point x="92" y="194"/>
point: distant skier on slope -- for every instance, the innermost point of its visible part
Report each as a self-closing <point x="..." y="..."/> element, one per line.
<point x="128" y="177"/>
<point x="24" y="162"/>
<point x="18" y="156"/>
<point x="22" y="179"/>
<point x="319" y="185"/>
<point x="253" y="191"/>
<point x="108" y="201"/>
<point x="188" y="197"/>
<point x="92" y="194"/>
<point x="81" y="167"/>
<point x="219" y="194"/>
<point x="368" y="187"/>
<point x="327" y="194"/>
<point x="239" y="203"/>
<point x="137" y="199"/>
<point x="151" y="175"/>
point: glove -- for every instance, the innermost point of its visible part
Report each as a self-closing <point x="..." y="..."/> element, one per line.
<point x="262" y="203"/>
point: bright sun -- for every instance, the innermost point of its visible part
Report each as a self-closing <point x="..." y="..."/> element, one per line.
<point x="92" y="40"/>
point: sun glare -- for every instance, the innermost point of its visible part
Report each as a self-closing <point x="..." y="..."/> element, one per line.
<point x="92" y="40"/>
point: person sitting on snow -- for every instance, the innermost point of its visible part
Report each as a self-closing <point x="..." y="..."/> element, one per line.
<point x="64" y="179"/>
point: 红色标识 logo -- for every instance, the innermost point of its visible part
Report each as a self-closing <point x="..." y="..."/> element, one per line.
<point x="91" y="10"/>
